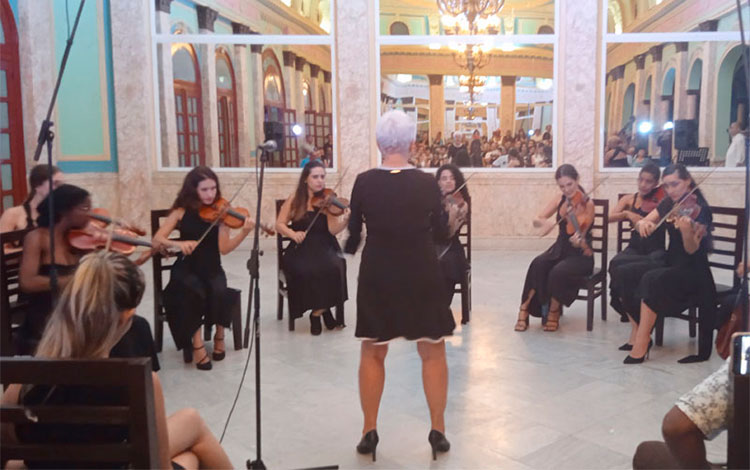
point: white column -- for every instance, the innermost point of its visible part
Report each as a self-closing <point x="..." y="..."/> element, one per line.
<point x="290" y="82"/>
<point x="299" y="67"/>
<point x="707" y="117"/>
<point x="315" y="87"/>
<point x="437" y="106"/>
<point x="206" y="19"/>
<point x="639" y="109"/>
<point x="256" y="95"/>
<point x="136" y="140"/>
<point x="681" y="108"/>
<point x="656" y="106"/>
<point x="167" y="119"/>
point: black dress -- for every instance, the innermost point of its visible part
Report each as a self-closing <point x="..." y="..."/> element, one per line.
<point x="401" y="290"/>
<point x="475" y="153"/>
<point x="459" y="155"/>
<point x="628" y="267"/>
<point x="557" y="272"/>
<point x="453" y="263"/>
<point x="137" y="342"/>
<point x="315" y="270"/>
<point x="197" y="284"/>
<point x="686" y="280"/>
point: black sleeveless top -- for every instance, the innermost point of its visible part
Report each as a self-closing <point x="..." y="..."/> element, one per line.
<point x="650" y="244"/>
<point x="562" y="244"/>
<point x="205" y="261"/>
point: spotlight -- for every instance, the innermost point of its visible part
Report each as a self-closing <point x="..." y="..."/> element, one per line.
<point x="297" y="130"/>
<point x="645" y="127"/>
<point x="531" y="132"/>
<point x="669" y="125"/>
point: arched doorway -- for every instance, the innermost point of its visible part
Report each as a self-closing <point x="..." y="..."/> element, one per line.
<point x="226" y="97"/>
<point x="628" y="108"/>
<point x="12" y="160"/>
<point x="399" y="28"/>
<point x="694" y="92"/>
<point x="188" y="106"/>
<point x="667" y="95"/>
<point x="275" y="110"/>
<point x="731" y="97"/>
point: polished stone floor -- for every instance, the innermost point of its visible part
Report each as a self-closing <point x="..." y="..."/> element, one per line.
<point x="542" y="400"/>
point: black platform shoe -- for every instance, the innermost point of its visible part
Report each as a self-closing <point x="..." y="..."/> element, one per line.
<point x="438" y="442"/>
<point x="315" y="327"/>
<point x="368" y="443"/>
<point x="329" y="320"/>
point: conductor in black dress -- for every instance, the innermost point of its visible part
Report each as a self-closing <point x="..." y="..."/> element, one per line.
<point x="401" y="291"/>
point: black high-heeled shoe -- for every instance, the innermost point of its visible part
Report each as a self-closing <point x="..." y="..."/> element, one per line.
<point x="368" y="443"/>
<point x="315" y="327"/>
<point x="625" y="347"/>
<point x="639" y="360"/>
<point x="328" y="319"/>
<point x="200" y="364"/>
<point x="218" y="354"/>
<point x="438" y="442"/>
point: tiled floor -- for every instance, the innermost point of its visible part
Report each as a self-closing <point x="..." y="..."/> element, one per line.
<point x="559" y="400"/>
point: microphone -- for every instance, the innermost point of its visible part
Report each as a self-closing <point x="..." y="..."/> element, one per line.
<point x="269" y="146"/>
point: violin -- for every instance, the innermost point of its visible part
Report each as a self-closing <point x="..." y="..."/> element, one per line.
<point x="232" y="217"/>
<point x="102" y="218"/>
<point x="688" y="206"/>
<point x="650" y="201"/>
<point x="578" y="218"/>
<point x="327" y="201"/>
<point x="93" y="237"/>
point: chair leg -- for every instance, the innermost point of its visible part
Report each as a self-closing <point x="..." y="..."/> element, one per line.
<point x="604" y="301"/>
<point x="291" y="322"/>
<point x="340" y="315"/>
<point x="280" y="307"/>
<point x="158" y="331"/>
<point x="590" y="308"/>
<point x="660" y="331"/>
<point x="465" y="313"/>
<point x="692" y="314"/>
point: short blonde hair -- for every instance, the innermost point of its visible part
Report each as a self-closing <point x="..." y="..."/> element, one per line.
<point x="395" y="132"/>
<point x="86" y="321"/>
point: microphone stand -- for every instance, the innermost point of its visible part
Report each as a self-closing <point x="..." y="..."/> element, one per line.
<point x="46" y="136"/>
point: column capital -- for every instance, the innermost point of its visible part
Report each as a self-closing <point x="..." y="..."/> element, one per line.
<point x="709" y="26"/>
<point x="640" y="61"/>
<point x="436" y="79"/>
<point x="326" y="76"/>
<point x="206" y="17"/>
<point x="288" y="58"/>
<point x="618" y="72"/>
<point x="239" y="28"/>
<point x="681" y="46"/>
<point x="299" y="63"/>
<point x="656" y="52"/>
<point x="508" y="80"/>
<point x="314" y="70"/>
<point x="163" y="5"/>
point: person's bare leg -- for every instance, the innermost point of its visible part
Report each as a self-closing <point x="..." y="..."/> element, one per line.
<point x="553" y="317"/>
<point x="633" y="330"/>
<point x="434" y="381"/>
<point x="188" y="433"/>
<point x="643" y="334"/>
<point x="200" y="355"/>
<point x="522" y="324"/>
<point x="187" y="460"/>
<point x="219" y="345"/>
<point x="371" y="381"/>
<point x="685" y="440"/>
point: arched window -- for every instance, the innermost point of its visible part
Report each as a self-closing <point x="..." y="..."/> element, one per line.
<point x="12" y="163"/>
<point x="667" y="94"/>
<point x="275" y="109"/>
<point x="307" y="96"/>
<point x="399" y="28"/>
<point x="188" y="106"/>
<point x="226" y="97"/>
<point x="694" y="90"/>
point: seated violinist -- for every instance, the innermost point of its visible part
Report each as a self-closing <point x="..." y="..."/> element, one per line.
<point x="197" y="290"/>
<point x="455" y="203"/>
<point x="551" y="280"/>
<point x="686" y="278"/>
<point x="313" y="264"/>
<point x="641" y="254"/>
<point x="72" y="206"/>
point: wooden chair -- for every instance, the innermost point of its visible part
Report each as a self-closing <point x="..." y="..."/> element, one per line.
<point x="726" y="254"/>
<point x="159" y="264"/>
<point x="464" y="287"/>
<point x="11" y="308"/>
<point x="596" y="283"/>
<point x="140" y="450"/>
<point x="624" y="230"/>
<point x="282" y="244"/>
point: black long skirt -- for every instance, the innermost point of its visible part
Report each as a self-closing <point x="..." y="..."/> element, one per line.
<point x="555" y="274"/>
<point x="671" y="290"/>
<point x="192" y="301"/>
<point x="625" y="273"/>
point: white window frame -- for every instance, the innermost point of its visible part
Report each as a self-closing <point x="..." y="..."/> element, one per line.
<point x="495" y="40"/>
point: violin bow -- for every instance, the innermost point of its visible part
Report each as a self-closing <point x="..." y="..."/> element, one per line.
<point x="682" y="200"/>
<point x="320" y="209"/>
<point x="445" y="250"/>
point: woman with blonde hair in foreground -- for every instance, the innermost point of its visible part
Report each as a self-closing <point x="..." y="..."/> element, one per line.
<point x="93" y="313"/>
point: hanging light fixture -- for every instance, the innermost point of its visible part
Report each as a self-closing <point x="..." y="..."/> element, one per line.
<point x="470" y="16"/>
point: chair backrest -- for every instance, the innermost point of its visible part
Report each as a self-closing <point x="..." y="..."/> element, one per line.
<point x="159" y="264"/>
<point x="10" y="266"/>
<point x="282" y="242"/>
<point x="624" y="229"/>
<point x="133" y="375"/>
<point x="464" y="233"/>
<point x="600" y="232"/>
<point x="729" y="223"/>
